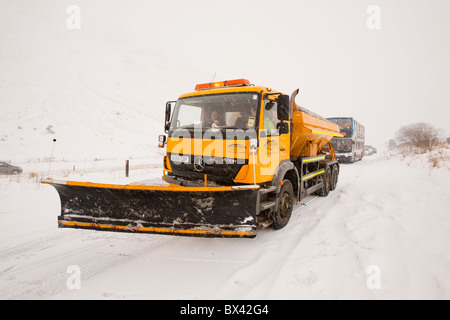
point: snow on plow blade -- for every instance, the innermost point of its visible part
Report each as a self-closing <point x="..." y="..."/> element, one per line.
<point x="176" y="210"/>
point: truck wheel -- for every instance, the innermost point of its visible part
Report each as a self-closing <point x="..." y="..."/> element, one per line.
<point x="334" y="177"/>
<point x="285" y="204"/>
<point x="326" y="183"/>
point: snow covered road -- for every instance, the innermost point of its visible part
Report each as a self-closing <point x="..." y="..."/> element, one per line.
<point x="384" y="233"/>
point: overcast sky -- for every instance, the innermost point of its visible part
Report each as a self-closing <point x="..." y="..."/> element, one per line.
<point x="385" y="77"/>
<point x="393" y="75"/>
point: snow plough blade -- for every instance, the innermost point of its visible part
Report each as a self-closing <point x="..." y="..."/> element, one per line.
<point x="175" y="210"/>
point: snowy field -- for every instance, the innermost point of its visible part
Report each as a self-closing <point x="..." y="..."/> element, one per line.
<point x="101" y="91"/>
<point x="384" y="233"/>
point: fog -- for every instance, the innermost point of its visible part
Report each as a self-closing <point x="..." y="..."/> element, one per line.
<point x="385" y="63"/>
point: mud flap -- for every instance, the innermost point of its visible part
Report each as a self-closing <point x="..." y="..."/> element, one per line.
<point x="206" y="211"/>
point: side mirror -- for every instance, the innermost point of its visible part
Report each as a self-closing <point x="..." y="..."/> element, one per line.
<point x="283" y="127"/>
<point x="167" y="117"/>
<point x="284" y="100"/>
<point x="283" y="108"/>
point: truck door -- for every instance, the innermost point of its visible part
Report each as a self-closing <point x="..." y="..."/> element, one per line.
<point x="274" y="145"/>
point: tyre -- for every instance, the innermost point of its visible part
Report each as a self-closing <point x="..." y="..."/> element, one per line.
<point x="285" y="205"/>
<point x="334" y="177"/>
<point x="326" y="183"/>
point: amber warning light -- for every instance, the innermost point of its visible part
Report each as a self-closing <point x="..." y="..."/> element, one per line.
<point x="221" y="84"/>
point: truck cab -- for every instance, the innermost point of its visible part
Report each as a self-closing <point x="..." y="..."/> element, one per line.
<point x="222" y="129"/>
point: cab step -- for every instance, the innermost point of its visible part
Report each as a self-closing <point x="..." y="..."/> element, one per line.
<point x="267" y="189"/>
<point x="266" y="205"/>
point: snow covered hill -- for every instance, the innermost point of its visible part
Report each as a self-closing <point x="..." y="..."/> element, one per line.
<point x="382" y="234"/>
<point x="100" y="91"/>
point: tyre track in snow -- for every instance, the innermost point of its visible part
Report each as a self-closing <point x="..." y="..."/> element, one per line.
<point x="36" y="267"/>
<point x="39" y="267"/>
<point x="259" y="278"/>
<point x="236" y="265"/>
<point x="322" y="253"/>
<point x="255" y="280"/>
<point x="44" y="257"/>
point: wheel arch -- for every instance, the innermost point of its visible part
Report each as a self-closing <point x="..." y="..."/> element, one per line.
<point x="287" y="170"/>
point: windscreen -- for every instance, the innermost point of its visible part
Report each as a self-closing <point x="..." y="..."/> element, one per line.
<point x="343" y="123"/>
<point x="221" y="111"/>
<point x="342" y="145"/>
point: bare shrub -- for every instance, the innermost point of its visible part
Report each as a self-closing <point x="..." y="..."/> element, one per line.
<point x="439" y="157"/>
<point x="434" y="162"/>
<point x="421" y="135"/>
<point x="32" y="175"/>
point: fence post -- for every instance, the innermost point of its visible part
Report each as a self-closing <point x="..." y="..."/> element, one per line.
<point x="127" y="168"/>
<point x="51" y="158"/>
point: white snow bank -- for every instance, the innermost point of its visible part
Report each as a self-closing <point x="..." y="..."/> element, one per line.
<point x="384" y="233"/>
<point x="433" y="157"/>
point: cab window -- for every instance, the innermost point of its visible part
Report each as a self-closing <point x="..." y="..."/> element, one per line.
<point x="270" y="119"/>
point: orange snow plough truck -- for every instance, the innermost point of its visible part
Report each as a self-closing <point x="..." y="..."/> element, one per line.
<point x="238" y="157"/>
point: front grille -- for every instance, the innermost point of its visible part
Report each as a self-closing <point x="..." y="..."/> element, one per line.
<point x="220" y="170"/>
